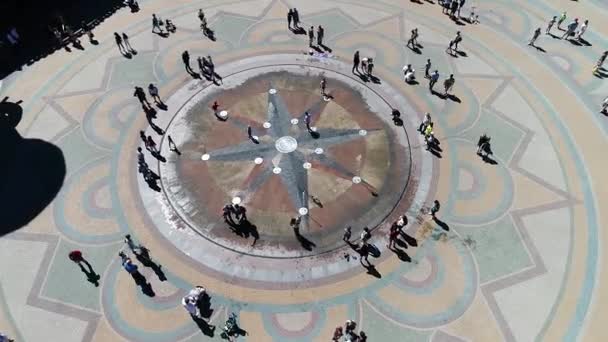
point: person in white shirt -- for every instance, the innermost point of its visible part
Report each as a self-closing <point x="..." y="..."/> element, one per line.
<point x="582" y="30"/>
<point x="408" y="73"/>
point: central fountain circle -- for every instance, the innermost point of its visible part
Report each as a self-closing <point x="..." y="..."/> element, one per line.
<point x="286" y="144"/>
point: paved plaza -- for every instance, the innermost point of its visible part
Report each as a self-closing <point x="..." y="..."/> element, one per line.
<point x="514" y="253"/>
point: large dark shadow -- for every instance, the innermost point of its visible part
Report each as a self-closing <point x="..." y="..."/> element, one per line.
<point x="31" y="174"/>
<point x="32" y="19"/>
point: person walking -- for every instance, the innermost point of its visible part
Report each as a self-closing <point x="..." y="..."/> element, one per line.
<point x="118" y="40"/>
<point x="435" y="208"/>
<point x="311" y="36"/>
<point x="605" y="106"/>
<point x="427" y="67"/>
<point x="370" y="67"/>
<point x="141" y="96"/>
<point x="156" y="24"/>
<point x="550" y="25"/>
<point x="534" y="37"/>
<point x="581" y="30"/>
<point x="356" y="61"/>
<point x="347" y="234"/>
<point x="153" y="91"/>
<point x="173" y="146"/>
<point x="296" y="18"/>
<point x="411" y="43"/>
<point x="434" y="78"/>
<point x="570" y="30"/>
<point x="320" y="35"/>
<point x="457" y="40"/>
<point x="450" y="49"/>
<point x="600" y="62"/>
<point x="448" y="84"/>
<point x="561" y="19"/>
<point x="128" y="265"/>
<point x="289" y="18"/>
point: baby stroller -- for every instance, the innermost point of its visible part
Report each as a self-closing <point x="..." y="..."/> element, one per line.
<point x="169" y="26"/>
<point x="231" y="328"/>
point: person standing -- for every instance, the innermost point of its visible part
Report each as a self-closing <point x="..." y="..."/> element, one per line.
<point x="356" y="61"/>
<point x="4" y="338"/>
<point x="173" y="146"/>
<point x="570" y="30"/>
<point x="141" y="96"/>
<point x="347" y="234"/>
<point x="534" y="37"/>
<point x="550" y="25"/>
<point x="582" y="30"/>
<point x="153" y="90"/>
<point x="118" y="40"/>
<point x="365" y="235"/>
<point x="215" y="107"/>
<point x="425" y="122"/>
<point x="320" y="35"/>
<point x="125" y="39"/>
<point x="201" y="64"/>
<point x="448" y="84"/>
<point x="561" y="19"/>
<point x="434" y="78"/>
<point x="435" y="208"/>
<point x="156" y="24"/>
<point x="460" y="6"/>
<point x="289" y="18"/>
<point x="211" y="68"/>
<point x="151" y="145"/>
<point x="311" y="36"/>
<point x="296" y="18"/>
<point x="370" y="66"/>
<point x="323" y="86"/>
<point x="454" y="9"/>
<point x="392" y="236"/>
<point x="427" y="67"/>
<point x="186" y="60"/>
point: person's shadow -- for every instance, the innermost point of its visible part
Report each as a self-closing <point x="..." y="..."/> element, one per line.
<point x="32" y="171"/>
<point x="144" y="257"/>
<point x="206" y="328"/>
<point x="142" y="282"/>
<point x="92" y="277"/>
<point x="304" y="242"/>
<point x="441" y="224"/>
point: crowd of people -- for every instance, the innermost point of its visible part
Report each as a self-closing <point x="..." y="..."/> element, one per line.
<point x="235" y="215"/>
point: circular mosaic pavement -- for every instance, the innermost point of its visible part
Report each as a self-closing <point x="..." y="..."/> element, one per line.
<point x="344" y="164"/>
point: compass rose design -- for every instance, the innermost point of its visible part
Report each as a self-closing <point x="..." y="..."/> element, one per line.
<point x="288" y="148"/>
